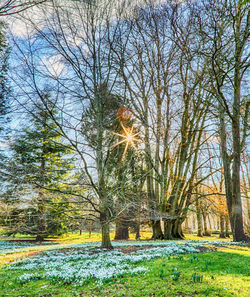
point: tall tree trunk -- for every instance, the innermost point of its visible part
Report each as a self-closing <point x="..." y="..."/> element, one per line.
<point x="227" y="226"/>
<point x="198" y="214"/>
<point x="237" y="217"/>
<point x="205" y="233"/>
<point x="222" y="227"/>
<point x="232" y="181"/>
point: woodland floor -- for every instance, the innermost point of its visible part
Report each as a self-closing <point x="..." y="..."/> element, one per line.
<point x="139" y="268"/>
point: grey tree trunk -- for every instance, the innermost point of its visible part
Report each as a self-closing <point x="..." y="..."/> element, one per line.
<point x="198" y="214"/>
<point x="222" y="227"/>
<point x="227" y="225"/>
<point x="106" y="242"/>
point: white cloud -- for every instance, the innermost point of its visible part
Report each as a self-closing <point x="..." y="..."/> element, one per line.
<point x="22" y="25"/>
<point x="54" y="65"/>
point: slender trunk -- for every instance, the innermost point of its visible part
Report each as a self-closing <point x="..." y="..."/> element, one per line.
<point x="209" y="222"/>
<point x="198" y="214"/>
<point x="237" y="217"/>
<point x="222" y="227"/>
<point x="205" y="233"/>
<point x="227" y="226"/>
<point x="226" y="164"/>
<point x="137" y="228"/>
<point x="187" y="229"/>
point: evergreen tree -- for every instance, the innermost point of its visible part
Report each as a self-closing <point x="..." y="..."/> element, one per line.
<point x="39" y="168"/>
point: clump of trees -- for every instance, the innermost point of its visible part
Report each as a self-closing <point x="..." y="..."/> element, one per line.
<point x="173" y="66"/>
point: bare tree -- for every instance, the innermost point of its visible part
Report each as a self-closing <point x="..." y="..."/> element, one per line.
<point x="71" y="56"/>
<point x="164" y="84"/>
<point x="10" y="7"/>
<point x="224" y="31"/>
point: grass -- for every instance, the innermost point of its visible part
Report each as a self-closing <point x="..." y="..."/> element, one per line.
<point x="222" y="273"/>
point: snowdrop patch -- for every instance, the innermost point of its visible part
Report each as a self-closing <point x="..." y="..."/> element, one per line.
<point x="83" y="264"/>
<point x="79" y="263"/>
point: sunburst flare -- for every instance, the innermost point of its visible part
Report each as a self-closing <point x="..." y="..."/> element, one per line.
<point x="128" y="137"/>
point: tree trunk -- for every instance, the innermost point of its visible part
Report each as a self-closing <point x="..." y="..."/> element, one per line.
<point x="177" y="230"/>
<point x="205" y="233"/>
<point x="137" y="228"/>
<point x="106" y="243"/>
<point x="227" y="225"/>
<point x="237" y="218"/>
<point x="222" y="227"/>
<point x="157" y="232"/>
<point x="173" y="230"/>
<point x="198" y="214"/>
<point x="121" y="230"/>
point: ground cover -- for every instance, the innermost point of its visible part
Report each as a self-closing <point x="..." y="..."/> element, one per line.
<point x="134" y="268"/>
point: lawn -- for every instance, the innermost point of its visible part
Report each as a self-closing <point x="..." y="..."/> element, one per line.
<point x="67" y="268"/>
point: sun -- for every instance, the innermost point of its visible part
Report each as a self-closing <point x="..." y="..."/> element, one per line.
<point x="128" y="137"/>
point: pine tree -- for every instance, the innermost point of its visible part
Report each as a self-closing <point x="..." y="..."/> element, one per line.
<point x="39" y="168"/>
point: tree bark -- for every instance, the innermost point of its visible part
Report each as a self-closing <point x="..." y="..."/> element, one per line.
<point x="173" y="229"/>
<point x="205" y="233"/>
<point x="137" y="228"/>
<point x="157" y="232"/>
<point x="227" y="226"/>
<point x="198" y="214"/>
<point x="106" y="243"/>
<point x="121" y="230"/>
<point x="222" y="227"/>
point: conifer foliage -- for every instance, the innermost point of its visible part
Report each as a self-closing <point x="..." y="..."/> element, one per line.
<point x="39" y="168"/>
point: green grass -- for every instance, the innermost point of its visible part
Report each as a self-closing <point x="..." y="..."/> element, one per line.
<point x="223" y="273"/>
<point x="97" y="236"/>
